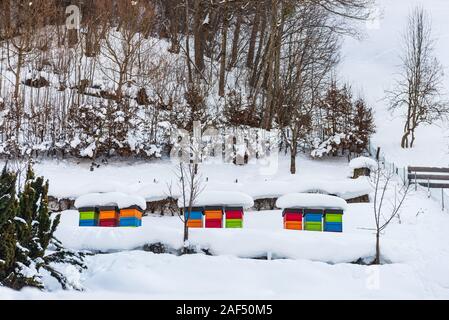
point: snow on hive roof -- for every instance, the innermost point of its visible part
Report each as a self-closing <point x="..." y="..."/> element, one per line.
<point x="312" y="201"/>
<point x="363" y="162"/>
<point x="121" y="200"/>
<point x="220" y="198"/>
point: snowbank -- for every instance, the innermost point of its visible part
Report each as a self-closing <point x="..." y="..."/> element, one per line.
<point x="220" y="198"/>
<point x="315" y="201"/>
<point x="157" y="192"/>
<point x="121" y="200"/>
<point x="363" y="162"/>
<point x="263" y="235"/>
<point x="345" y="189"/>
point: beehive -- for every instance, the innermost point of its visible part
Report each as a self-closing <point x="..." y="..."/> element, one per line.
<point x="131" y="217"/>
<point x="293" y="219"/>
<point x="109" y="216"/>
<point x="313" y="219"/>
<point x="88" y="217"/>
<point x="234" y="217"/>
<point x="214" y="217"/>
<point x="333" y="220"/>
<point x="195" y="218"/>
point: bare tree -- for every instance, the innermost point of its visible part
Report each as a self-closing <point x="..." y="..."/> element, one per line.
<point x="190" y="186"/>
<point x="385" y="210"/>
<point x="310" y="55"/>
<point x="418" y="89"/>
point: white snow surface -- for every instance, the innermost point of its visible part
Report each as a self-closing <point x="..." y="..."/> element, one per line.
<point x="311" y="201"/>
<point x="219" y="198"/>
<point x="156" y="181"/>
<point x="119" y="199"/>
<point x="414" y="247"/>
<point x="363" y="162"/>
<point x="372" y="65"/>
<point x="317" y="265"/>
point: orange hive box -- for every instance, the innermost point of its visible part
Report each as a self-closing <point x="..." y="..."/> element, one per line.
<point x="293" y="225"/>
<point x="132" y="212"/>
<point x="107" y="213"/>
<point x="213" y="214"/>
<point x="195" y="223"/>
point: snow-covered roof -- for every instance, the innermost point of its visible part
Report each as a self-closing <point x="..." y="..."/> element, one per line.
<point x="220" y="198"/>
<point x="346" y="189"/>
<point x="121" y="200"/>
<point x="363" y="162"/>
<point x="311" y="201"/>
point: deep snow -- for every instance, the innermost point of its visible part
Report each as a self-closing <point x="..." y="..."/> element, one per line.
<point x="316" y="265"/>
<point x="372" y="65"/>
<point x="306" y="265"/>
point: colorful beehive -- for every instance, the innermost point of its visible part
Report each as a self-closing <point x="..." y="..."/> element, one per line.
<point x="214" y="217"/>
<point x="333" y="220"/>
<point x="109" y="216"/>
<point x="88" y="217"/>
<point x="195" y="218"/>
<point x="293" y="219"/>
<point x="234" y="217"/>
<point x="313" y="219"/>
<point x="131" y="217"/>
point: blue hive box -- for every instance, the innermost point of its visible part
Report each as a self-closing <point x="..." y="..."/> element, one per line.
<point x="130" y="222"/>
<point x="333" y="227"/>
<point x="313" y="215"/>
<point x="88" y="223"/>
<point x="196" y="214"/>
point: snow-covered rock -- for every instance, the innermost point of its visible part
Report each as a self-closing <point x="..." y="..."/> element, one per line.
<point x="121" y="200"/>
<point x="363" y="162"/>
<point x="315" y="201"/>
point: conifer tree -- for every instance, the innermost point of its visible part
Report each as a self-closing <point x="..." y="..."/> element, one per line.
<point x="8" y="207"/>
<point x="27" y="233"/>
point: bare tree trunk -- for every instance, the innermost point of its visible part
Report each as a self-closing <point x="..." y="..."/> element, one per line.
<point x="294" y="151"/>
<point x="224" y="37"/>
<point x="404" y="142"/>
<point x="253" y="38"/>
<point x="235" y="41"/>
<point x="189" y="66"/>
<point x="199" y="36"/>
<point x="377" y="258"/>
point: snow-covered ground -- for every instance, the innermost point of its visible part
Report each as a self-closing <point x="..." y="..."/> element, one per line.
<point x="304" y="265"/>
<point x="372" y="65"/>
<point x="152" y="179"/>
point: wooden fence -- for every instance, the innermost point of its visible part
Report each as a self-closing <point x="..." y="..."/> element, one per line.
<point x="429" y="177"/>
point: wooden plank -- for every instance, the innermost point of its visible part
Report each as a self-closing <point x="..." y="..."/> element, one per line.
<point x="428" y="169"/>
<point x="435" y="185"/>
<point x="426" y="177"/>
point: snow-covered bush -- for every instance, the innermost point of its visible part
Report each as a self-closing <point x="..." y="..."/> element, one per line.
<point x="347" y="124"/>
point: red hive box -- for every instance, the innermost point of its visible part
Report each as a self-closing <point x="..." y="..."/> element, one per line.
<point x="214" y="217"/>
<point x="109" y="217"/>
<point x="234" y="214"/>
<point x="214" y="223"/>
<point x="293" y="219"/>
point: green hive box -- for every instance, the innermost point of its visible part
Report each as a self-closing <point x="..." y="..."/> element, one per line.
<point x="331" y="217"/>
<point x="88" y="214"/>
<point x="313" y="226"/>
<point x="234" y="223"/>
